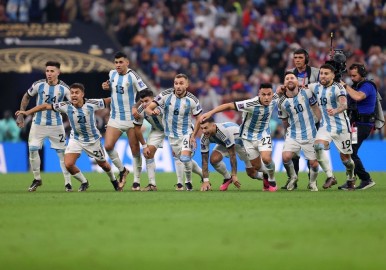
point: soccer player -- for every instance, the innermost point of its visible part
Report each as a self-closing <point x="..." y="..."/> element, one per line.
<point x="124" y="84"/>
<point x="84" y="133"/>
<point x="295" y="110"/>
<point x="46" y="124"/>
<point x="179" y="106"/>
<point x="255" y="130"/>
<point x="228" y="143"/>
<point x="334" y="126"/>
<point x="155" y="141"/>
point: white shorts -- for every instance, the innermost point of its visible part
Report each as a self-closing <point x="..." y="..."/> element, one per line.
<point x="180" y="144"/>
<point x="55" y="134"/>
<point x="342" y="141"/>
<point x="294" y="146"/>
<point x="253" y="148"/>
<point x="122" y="125"/>
<point x="94" y="150"/>
<point x="156" y="138"/>
<point x="240" y="151"/>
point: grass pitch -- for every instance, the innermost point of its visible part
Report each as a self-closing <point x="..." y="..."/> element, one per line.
<point x="246" y="229"/>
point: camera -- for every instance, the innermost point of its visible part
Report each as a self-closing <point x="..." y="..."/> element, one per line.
<point x="338" y="61"/>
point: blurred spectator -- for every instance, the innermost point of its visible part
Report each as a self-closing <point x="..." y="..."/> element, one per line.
<point x="9" y="131"/>
<point x="18" y="10"/>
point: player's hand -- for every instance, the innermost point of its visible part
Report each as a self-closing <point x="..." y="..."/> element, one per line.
<point x="205" y="186"/>
<point x="146" y="152"/>
<point x="280" y="90"/>
<point x="205" y="116"/>
<point x="135" y="113"/>
<point x="193" y="143"/>
<point x="331" y="111"/>
<point x="106" y="85"/>
<point x="235" y="181"/>
<point x="20" y="119"/>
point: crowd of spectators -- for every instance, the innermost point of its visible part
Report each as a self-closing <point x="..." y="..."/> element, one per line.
<point x="227" y="48"/>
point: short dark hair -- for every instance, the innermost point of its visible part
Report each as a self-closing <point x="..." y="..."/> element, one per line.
<point x="145" y="93"/>
<point x="328" y="66"/>
<point x="289" y="72"/>
<point x="208" y="120"/>
<point x="265" y="85"/>
<point x="78" y="85"/>
<point x="120" y="55"/>
<point x="360" y="68"/>
<point x="53" y="64"/>
<point x="182" y="75"/>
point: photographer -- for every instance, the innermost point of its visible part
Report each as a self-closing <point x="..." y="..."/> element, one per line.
<point x="305" y="75"/>
<point x="361" y="107"/>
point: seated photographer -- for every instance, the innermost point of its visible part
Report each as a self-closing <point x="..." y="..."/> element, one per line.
<point x="361" y="106"/>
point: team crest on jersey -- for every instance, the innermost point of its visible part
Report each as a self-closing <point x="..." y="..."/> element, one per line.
<point x="158" y="98"/>
<point x="141" y="84"/>
<point x="198" y="107"/>
<point x="240" y="106"/>
<point x="203" y="146"/>
<point x="227" y="141"/>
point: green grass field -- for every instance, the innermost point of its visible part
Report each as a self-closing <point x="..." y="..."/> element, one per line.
<point x="246" y="229"/>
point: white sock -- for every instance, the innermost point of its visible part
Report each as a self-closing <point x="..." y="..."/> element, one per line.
<point x="111" y="175"/>
<point x="314" y="174"/>
<point x="289" y="167"/>
<point x="263" y="169"/>
<point x="222" y="169"/>
<point x="323" y="162"/>
<point x="137" y="168"/>
<point x="79" y="176"/>
<point x="188" y="171"/>
<point x="196" y="168"/>
<point x="66" y="174"/>
<point x="115" y="159"/>
<point x="271" y="171"/>
<point x="34" y="160"/>
<point x="150" y="168"/>
<point x="179" y="169"/>
<point x="258" y="176"/>
<point x="350" y="166"/>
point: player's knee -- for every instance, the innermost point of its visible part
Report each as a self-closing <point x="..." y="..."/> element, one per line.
<point x="185" y="158"/>
<point x="251" y="172"/>
<point x="318" y="146"/>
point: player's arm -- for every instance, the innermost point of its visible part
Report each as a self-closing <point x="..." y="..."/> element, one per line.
<point x="205" y="186"/>
<point x="39" y="108"/>
<point x="342" y="106"/>
<point x="195" y="130"/>
<point x="150" y="108"/>
<point x="315" y="108"/>
<point x="233" y="161"/>
<point x="106" y="85"/>
<point x="221" y="108"/>
<point x="107" y="101"/>
<point x="23" y="105"/>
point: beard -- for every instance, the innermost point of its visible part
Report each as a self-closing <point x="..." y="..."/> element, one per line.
<point x="291" y="87"/>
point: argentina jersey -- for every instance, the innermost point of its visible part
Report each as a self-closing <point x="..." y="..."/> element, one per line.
<point x="299" y="113"/>
<point x="328" y="99"/>
<point x="124" y="89"/>
<point x="177" y="117"/>
<point x="154" y="120"/>
<point x="256" y="118"/>
<point x="82" y="120"/>
<point x="227" y="134"/>
<point x="48" y="94"/>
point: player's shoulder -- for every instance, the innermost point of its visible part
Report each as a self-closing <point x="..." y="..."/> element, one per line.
<point x="190" y="95"/>
<point x="39" y="82"/>
<point x="166" y="92"/>
<point x="62" y="83"/>
<point x="133" y="73"/>
<point x="94" y="101"/>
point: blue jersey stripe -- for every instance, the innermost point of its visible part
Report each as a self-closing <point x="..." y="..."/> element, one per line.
<point x="167" y="112"/>
<point x="325" y="114"/>
<point x="82" y="124"/>
<point x="265" y="119"/>
<point x="121" y="109"/>
<point x="334" y="102"/>
<point x="70" y="114"/>
<point x="113" y="105"/>
<point x="185" y="123"/>
<point x="131" y="95"/>
<point x="38" y="118"/>
<point x="176" y="109"/>
<point x="229" y="124"/>
<point x="309" y="113"/>
<point x="300" y="111"/>
<point x="60" y="99"/>
<point x="255" y="117"/>
<point x="51" y="94"/>
<point x="92" y="123"/>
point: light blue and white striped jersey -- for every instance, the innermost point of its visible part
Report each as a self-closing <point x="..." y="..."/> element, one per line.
<point x="82" y="120"/>
<point x="227" y="134"/>
<point x="177" y="118"/>
<point x="154" y="120"/>
<point x="299" y="113"/>
<point x="124" y="89"/>
<point x="48" y="94"/>
<point x="328" y="99"/>
<point x="256" y="118"/>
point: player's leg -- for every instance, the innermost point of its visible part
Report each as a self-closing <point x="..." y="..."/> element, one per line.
<point x="266" y="157"/>
<point x="322" y="142"/>
<point x="73" y="151"/>
<point x="137" y="159"/>
<point x="35" y="142"/>
<point x="57" y="139"/>
<point x="216" y="160"/>
<point x="150" y="168"/>
<point x="112" y="135"/>
<point x="314" y="170"/>
<point x="186" y="159"/>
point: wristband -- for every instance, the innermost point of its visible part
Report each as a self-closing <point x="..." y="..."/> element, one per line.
<point x="206" y="180"/>
<point x="144" y="146"/>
